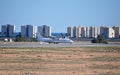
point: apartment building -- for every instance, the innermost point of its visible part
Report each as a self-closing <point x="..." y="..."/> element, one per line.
<point x="45" y="30"/>
<point x="70" y="31"/>
<point x="7" y="30"/>
<point x="117" y="31"/>
<point x="28" y="31"/>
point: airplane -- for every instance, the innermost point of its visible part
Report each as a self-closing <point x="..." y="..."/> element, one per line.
<point x="51" y="40"/>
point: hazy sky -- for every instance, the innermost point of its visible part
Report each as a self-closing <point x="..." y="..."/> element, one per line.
<point x="59" y="14"/>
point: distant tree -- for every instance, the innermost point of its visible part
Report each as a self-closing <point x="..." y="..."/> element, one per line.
<point x="19" y="38"/>
<point x="100" y="38"/>
<point x="62" y="35"/>
<point x="19" y="35"/>
<point x="94" y="40"/>
<point x="34" y="39"/>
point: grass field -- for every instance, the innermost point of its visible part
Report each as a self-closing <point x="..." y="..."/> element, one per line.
<point x="60" y="61"/>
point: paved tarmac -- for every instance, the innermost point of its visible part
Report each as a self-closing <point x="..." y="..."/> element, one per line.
<point x="38" y="44"/>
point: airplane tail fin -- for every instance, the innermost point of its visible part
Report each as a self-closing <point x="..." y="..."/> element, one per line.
<point x="39" y="36"/>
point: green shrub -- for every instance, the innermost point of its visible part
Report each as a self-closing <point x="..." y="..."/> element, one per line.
<point x="99" y="39"/>
<point x="104" y="42"/>
<point x="94" y="40"/>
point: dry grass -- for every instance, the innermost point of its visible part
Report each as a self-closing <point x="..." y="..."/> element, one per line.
<point x="60" y="61"/>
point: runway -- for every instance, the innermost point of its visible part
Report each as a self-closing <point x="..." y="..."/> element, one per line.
<point x="38" y="44"/>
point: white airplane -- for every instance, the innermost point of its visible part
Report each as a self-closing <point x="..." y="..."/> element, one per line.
<point x="50" y="40"/>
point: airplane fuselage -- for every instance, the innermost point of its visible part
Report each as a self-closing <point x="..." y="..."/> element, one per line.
<point x="56" y="40"/>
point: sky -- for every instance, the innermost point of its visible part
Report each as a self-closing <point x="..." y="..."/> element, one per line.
<point x="59" y="14"/>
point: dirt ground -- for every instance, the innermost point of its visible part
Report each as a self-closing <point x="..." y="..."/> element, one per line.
<point x="60" y="61"/>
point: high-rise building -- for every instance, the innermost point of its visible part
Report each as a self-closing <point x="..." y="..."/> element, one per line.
<point x="44" y="30"/>
<point x="70" y="31"/>
<point x="28" y="31"/>
<point x="40" y="30"/>
<point x="83" y="31"/>
<point x="95" y="32"/>
<point x="87" y="32"/>
<point x="23" y="31"/>
<point x="107" y="32"/>
<point x="98" y="29"/>
<point x="31" y="31"/>
<point x="75" y="32"/>
<point x="79" y="31"/>
<point x="7" y="30"/>
<point x="117" y="31"/>
<point x="92" y="32"/>
<point x="102" y="30"/>
<point x="47" y="31"/>
<point x="110" y="33"/>
<point x="4" y="30"/>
